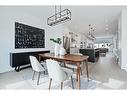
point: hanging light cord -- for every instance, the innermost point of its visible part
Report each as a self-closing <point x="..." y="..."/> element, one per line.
<point x="55" y="12"/>
<point x="60" y="11"/>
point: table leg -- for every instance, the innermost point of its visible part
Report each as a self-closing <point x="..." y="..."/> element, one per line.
<point x="87" y="72"/>
<point x="78" y="75"/>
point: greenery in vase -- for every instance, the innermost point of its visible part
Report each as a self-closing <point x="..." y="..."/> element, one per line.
<point x="58" y="40"/>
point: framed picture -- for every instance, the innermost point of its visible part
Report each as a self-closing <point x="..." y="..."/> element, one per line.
<point x="28" y="36"/>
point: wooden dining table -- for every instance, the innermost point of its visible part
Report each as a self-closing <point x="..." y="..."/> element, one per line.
<point x="69" y="58"/>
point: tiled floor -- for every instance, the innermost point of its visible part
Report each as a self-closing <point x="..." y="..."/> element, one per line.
<point x="105" y="74"/>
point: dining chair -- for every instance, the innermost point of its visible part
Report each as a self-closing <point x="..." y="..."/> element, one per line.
<point x="74" y="66"/>
<point x="57" y="73"/>
<point x="37" y="67"/>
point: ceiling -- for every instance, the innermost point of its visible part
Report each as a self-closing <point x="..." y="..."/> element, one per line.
<point x="103" y="18"/>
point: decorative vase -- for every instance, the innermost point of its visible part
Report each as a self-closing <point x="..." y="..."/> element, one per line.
<point x="56" y="49"/>
<point x="62" y="51"/>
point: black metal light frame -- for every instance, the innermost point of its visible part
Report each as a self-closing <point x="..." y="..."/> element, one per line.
<point x="60" y="17"/>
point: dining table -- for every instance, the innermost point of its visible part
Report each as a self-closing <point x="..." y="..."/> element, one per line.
<point x="69" y="58"/>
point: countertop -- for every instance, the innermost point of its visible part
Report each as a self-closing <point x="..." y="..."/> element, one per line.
<point x="91" y="48"/>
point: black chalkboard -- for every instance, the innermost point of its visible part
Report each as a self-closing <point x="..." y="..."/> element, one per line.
<point x="28" y="36"/>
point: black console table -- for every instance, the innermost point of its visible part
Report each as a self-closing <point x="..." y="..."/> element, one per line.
<point x="22" y="58"/>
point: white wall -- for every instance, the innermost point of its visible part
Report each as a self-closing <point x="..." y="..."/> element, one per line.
<point x="34" y="16"/>
<point x="119" y="51"/>
<point x="124" y="39"/>
<point x="115" y="41"/>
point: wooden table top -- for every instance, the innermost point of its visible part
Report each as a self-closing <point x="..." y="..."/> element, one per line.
<point x="67" y="57"/>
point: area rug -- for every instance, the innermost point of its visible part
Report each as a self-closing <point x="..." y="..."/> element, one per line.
<point x="44" y="83"/>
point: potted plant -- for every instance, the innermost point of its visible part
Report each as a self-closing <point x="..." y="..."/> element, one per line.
<point x="58" y="49"/>
<point x="57" y="42"/>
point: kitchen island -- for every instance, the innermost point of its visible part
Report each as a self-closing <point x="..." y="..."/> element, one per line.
<point x="93" y="53"/>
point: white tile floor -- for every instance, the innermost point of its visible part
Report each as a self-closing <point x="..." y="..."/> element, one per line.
<point x="105" y="74"/>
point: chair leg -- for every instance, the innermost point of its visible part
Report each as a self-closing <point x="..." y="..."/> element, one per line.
<point x="72" y="82"/>
<point x="50" y="83"/>
<point x="61" y="85"/>
<point x="33" y="75"/>
<point x="38" y="78"/>
<point x="44" y="72"/>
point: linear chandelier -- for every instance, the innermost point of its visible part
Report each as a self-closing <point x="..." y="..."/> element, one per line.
<point x="59" y="17"/>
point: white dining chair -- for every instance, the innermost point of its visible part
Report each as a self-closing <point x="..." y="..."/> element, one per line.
<point x="74" y="66"/>
<point x="57" y="73"/>
<point x="37" y="67"/>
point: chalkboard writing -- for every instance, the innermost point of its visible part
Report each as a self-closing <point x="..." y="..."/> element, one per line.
<point x="29" y="37"/>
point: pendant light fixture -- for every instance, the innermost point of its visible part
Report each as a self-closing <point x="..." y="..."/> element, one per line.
<point x="59" y="17"/>
<point x="91" y="32"/>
